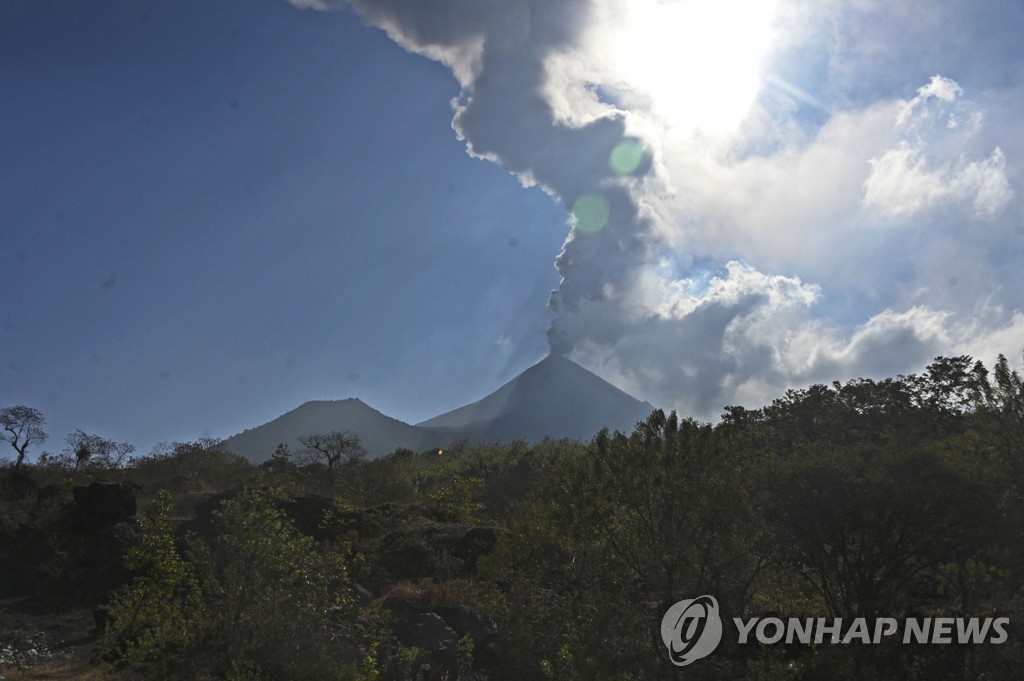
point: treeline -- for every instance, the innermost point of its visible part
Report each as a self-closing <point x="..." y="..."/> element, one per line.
<point x="895" y="498"/>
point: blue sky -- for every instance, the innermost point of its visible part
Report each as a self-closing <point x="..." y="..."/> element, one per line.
<point x="214" y="211"/>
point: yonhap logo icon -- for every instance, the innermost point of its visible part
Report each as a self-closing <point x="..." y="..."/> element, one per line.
<point x="691" y="629"/>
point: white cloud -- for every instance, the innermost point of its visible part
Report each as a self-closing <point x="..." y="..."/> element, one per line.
<point x="862" y="218"/>
<point x="941" y="88"/>
<point x="906" y="180"/>
<point x="903" y="183"/>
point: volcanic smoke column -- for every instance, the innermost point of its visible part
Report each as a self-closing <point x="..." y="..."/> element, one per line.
<point x="499" y="51"/>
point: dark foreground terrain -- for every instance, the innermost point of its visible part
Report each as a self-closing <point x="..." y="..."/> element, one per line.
<point x="897" y="498"/>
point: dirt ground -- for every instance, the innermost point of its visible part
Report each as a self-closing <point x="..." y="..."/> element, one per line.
<point x="40" y="640"/>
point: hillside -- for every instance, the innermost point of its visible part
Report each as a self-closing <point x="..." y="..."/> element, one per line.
<point x="555" y="397"/>
<point x="380" y="434"/>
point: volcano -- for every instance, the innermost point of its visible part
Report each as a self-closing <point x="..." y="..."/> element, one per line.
<point x="380" y="434"/>
<point x="553" y="398"/>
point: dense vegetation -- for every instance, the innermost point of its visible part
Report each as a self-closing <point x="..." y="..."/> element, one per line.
<point x="871" y="498"/>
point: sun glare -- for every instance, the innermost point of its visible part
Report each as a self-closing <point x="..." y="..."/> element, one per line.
<point x="697" y="62"/>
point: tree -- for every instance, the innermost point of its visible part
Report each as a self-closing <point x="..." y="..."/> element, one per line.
<point x="614" y="536"/>
<point x="98" y="450"/>
<point x="867" y="526"/>
<point x="257" y="600"/>
<point x="336" y="448"/>
<point x="22" y="426"/>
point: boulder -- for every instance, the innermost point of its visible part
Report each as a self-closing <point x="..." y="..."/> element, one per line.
<point x="482" y="629"/>
<point x="202" y="522"/>
<point x="100" y="567"/>
<point x="476" y="542"/>
<point x="376" y="521"/>
<point x="428" y="632"/>
<point x="425" y="550"/>
<point x="313" y="515"/>
<point x="102" y="504"/>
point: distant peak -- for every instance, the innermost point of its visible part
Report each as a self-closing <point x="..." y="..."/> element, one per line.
<point x="347" y="400"/>
<point x="553" y="361"/>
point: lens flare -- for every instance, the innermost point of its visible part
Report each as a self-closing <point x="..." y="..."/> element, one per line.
<point x="626" y="157"/>
<point x="590" y="213"/>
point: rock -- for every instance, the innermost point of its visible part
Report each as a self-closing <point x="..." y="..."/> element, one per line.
<point x="313" y="515"/>
<point x="438" y="633"/>
<point x="482" y="629"/>
<point x="428" y="632"/>
<point x="379" y="520"/>
<point x="410" y="553"/>
<point x="203" y="523"/>
<point x="101" y="563"/>
<point x="419" y="552"/>
<point x="476" y="542"/>
<point x="465" y="621"/>
<point x="102" y="504"/>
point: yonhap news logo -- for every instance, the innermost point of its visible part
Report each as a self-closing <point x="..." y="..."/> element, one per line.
<point x="692" y="629"/>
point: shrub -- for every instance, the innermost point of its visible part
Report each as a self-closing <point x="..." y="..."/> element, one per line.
<point x="258" y="601"/>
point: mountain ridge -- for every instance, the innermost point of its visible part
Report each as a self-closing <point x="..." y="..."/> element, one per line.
<point x="555" y="397"/>
<point x="557" y="386"/>
<point x="380" y="433"/>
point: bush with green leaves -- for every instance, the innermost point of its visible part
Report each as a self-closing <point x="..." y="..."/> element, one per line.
<point x="157" y="609"/>
<point x="456" y="499"/>
<point x="257" y="601"/>
<point x="185" y="464"/>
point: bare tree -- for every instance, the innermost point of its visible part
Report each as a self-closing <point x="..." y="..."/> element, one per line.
<point x="98" y="450"/>
<point x="22" y="426"/>
<point x="336" y="448"/>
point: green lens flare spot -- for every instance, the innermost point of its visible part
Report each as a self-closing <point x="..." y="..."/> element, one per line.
<point x="590" y="213"/>
<point x="626" y="157"/>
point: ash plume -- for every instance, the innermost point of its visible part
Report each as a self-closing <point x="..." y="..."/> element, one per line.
<point x="696" y="267"/>
<point x="499" y="52"/>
